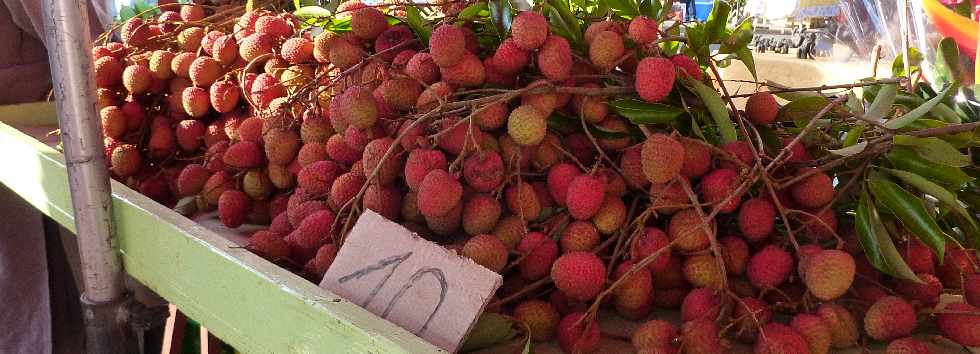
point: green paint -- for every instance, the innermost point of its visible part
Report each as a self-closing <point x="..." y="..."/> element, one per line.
<point x="246" y="301"/>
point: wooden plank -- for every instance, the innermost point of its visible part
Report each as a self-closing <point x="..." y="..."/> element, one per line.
<point x="173" y="332"/>
<point x="246" y="301"/>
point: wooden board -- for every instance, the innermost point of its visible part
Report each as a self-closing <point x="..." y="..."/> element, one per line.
<point x="423" y="287"/>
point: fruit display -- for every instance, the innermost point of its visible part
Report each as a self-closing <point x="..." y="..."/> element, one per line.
<point x="592" y="154"/>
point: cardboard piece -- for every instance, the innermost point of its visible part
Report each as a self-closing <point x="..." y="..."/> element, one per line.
<point x="429" y="290"/>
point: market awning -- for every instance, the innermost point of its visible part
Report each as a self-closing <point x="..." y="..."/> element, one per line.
<point x="816" y="8"/>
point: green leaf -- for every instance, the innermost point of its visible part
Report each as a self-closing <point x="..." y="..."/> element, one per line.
<point x="882" y="104"/>
<point x="854" y="134"/>
<point x="126" y="13"/>
<point x="601" y="133"/>
<point x="299" y="4"/>
<point x="339" y="25"/>
<point x="739" y="38"/>
<point x="697" y="43"/>
<point x="640" y="112"/>
<point x="918" y="112"/>
<point x="934" y="149"/>
<point x="928" y="187"/>
<point x="501" y="15"/>
<point x="854" y="103"/>
<point x="716" y="107"/>
<point x="624" y="8"/>
<point x="911" y="212"/>
<point x="568" y="18"/>
<point x="717" y="20"/>
<point x="771" y="142"/>
<point x="948" y="67"/>
<point x="490" y="329"/>
<point x="850" y="150"/>
<point x="905" y="158"/>
<point x="878" y="246"/>
<point x="745" y="55"/>
<point x="479" y="9"/>
<point x="307" y="12"/>
<point x="959" y="140"/>
<point x="417" y="23"/>
<point x="898" y="66"/>
<point x="803" y="109"/>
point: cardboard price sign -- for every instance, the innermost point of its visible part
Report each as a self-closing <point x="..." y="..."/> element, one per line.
<point x="421" y="286"/>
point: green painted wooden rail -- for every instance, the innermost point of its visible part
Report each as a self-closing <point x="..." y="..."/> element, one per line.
<point x="243" y="299"/>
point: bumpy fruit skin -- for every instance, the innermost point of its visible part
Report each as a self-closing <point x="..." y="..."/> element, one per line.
<point x="555" y="58"/>
<point x="761" y="108"/>
<point x="384" y="199"/>
<point x="419" y="163"/>
<point x="843" y="327"/>
<point x="814" y="191"/>
<point x="585" y="196"/>
<point x="918" y="256"/>
<point x="125" y="160"/>
<point x="468" y="71"/>
<point x="815" y="330"/>
<point x="356" y="106"/>
<point x="368" y="23"/>
<point x="373" y="159"/>
<point x="889" y="318"/>
<point x="654" y="333"/>
<point x="439" y="193"/>
<point x="662" y="158"/>
<point x="702" y="271"/>
<point x="654" y="78"/>
<point x="529" y="30"/>
<point x="540" y="252"/>
<point x="907" y="345"/>
<point x="540" y="317"/>
<point x="756" y="218"/>
<point x="481" y="214"/>
<point x="318" y="265"/>
<point x="701" y="303"/>
<point x="579" y="236"/>
<point x="780" y="339"/>
<point x="390" y="38"/>
<point x="770" y="267"/>
<point x="487" y="251"/>
<point x="700" y="337"/>
<point x="643" y="30"/>
<point x="560" y="176"/>
<point x="526" y="125"/>
<point x="719" y="185"/>
<point x="926" y="293"/>
<point x="447" y="44"/>
<point x="509" y="58"/>
<point x="606" y="50"/>
<point x="633" y="296"/>
<point x="829" y="274"/>
<point x="137" y="78"/>
<point x="686" y="226"/>
<point x="575" y="337"/>
<point x="484" y="172"/>
<point x="232" y="207"/>
<point x="317" y="177"/>
<point x="400" y="94"/>
<point x="268" y="245"/>
<point x="653" y="240"/>
<point x="697" y="159"/>
<point x="688" y="66"/>
<point x="422" y="67"/>
<point x="224" y="96"/>
<point x="579" y="275"/>
<point x="108" y="71"/>
<point x="735" y="252"/>
<point x="522" y="200"/>
<point x="971" y="289"/>
<point x="960" y="323"/>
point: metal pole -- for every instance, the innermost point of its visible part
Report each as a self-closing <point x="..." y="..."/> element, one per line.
<point x="68" y="39"/>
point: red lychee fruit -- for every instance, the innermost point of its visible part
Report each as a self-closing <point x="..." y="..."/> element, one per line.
<point x="633" y="296"/>
<point x="265" y="89"/>
<point x="654" y="78"/>
<point x="368" y="23"/>
<point x="419" y="163"/>
<point x="687" y="232"/>
<point x="907" y="345"/>
<point x="926" y="293"/>
<point x="958" y="264"/>
<point x="438" y="193"/>
<point x="814" y="330"/>
<point x="652" y="240"/>
<point x="373" y="159"/>
<point x="480" y="214"/>
<point x="273" y="25"/>
<point x="769" y="267"/>
<point x="735" y="252"/>
<point x="654" y="333"/>
<point x="555" y="58"/>
<point x="761" y="108"/>
<point x="538" y="252"/>
<point x="719" y="185"/>
<point x="605" y="51"/>
<point x="585" y="196"/>
<point x="579" y="236"/>
<point x="701" y="337"/>
<point x="244" y="154"/>
<point x="814" y="191"/>
<point x="529" y="30"/>
<point x="391" y="38"/>
<point x="778" y="338"/>
<point x="540" y="317"/>
<point x="661" y="158"/>
<point x="821" y="225"/>
<point x="233" y="205"/>
<point x="560" y="176"/>
<point x="268" y="245"/>
<point x="317" y="178"/>
<point x="843" y="326"/>
<point x="643" y="30"/>
<point x="137" y="78"/>
<point x="918" y="256"/>
<point x="318" y="265"/>
<point x="577" y="334"/>
<point x="422" y="67"/>
<point x="756" y="218"/>
<point x="889" y="318"/>
<point x="468" y="71"/>
<point x="224" y="96"/>
<point x="125" y="160"/>
<point x="191" y="179"/>
<point x="447" y="44"/>
<point x="702" y="271"/>
<point x="960" y="322"/>
<point x="701" y="303"/>
<point x="509" y="58"/>
<point x="740" y="150"/>
<point x="687" y="66"/>
<point x="697" y="159"/>
<point x="829" y="273"/>
<point x="484" y="172"/>
<point x="487" y="251"/>
<point x="385" y="200"/>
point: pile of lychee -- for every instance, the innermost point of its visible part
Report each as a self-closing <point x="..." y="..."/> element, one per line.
<point x="275" y="124"/>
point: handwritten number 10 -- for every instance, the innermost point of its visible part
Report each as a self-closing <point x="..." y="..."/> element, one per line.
<point x="392" y="263"/>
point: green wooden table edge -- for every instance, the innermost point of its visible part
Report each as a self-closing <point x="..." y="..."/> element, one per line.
<point x="243" y="299"/>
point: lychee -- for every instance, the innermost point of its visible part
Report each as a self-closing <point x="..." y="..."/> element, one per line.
<point x="577" y="334"/>
<point x="778" y="338"/>
<point x="317" y="177"/>
<point x="509" y="58"/>
<point x="652" y="241"/>
<point x="654" y="78"/>
<point x="579" y="236"/>
<point x="907" y="345"/>
<point x="611" y="215"/>
<point x="321" y="262"/>
<point x="661" y="158"/>
<point x="769" y="267"/>
<point x="529" y="30"/>
<point x="137" y="78"/>
<point x="374" y="158"/>
<point x="960" y="322"/>
<point x="480" y="214"/>
<point x="385" y="200"/>
<point x="540" y="317"/>
<point x="718" y="187"/>
<point x="633" y="296"/>
<point x="700" y="337"/>
<point x="538" y="252"/>
<point x="889" y="318"/>
<point x="814" y="330"/>
<point x="419" y="163"/>
<point x="814" y="191"/>
<point x="523" y="201"/>
<point x="643" y="30"/>
<point x="687" y="66"/>
<point x="688" y="232"/>
<point x="368" y="23"/>
<point x="756" y="218"/>
<point x="484" y="172"/>
<point x="555" y="58"/>
<point x="233" y="205"/>
<point x="447" y="44"/>
<point x="735" y="253"/>
<point x="585" y="196"/>
<point x="606" y="49"/>
<point x="761" y="108"/>
<point x="702" y="271"/>
<point x="829" y="274"/>
<point x="268" y="245"/>
<point x="439" y="192"/>
<point x="468" y="71"/>
<point x="697" y="159"/>
<point x="125" y="160"/>
<point x="487" y="251"/>
<point x="843" y="326"/>
<point x="191" y="179"/>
